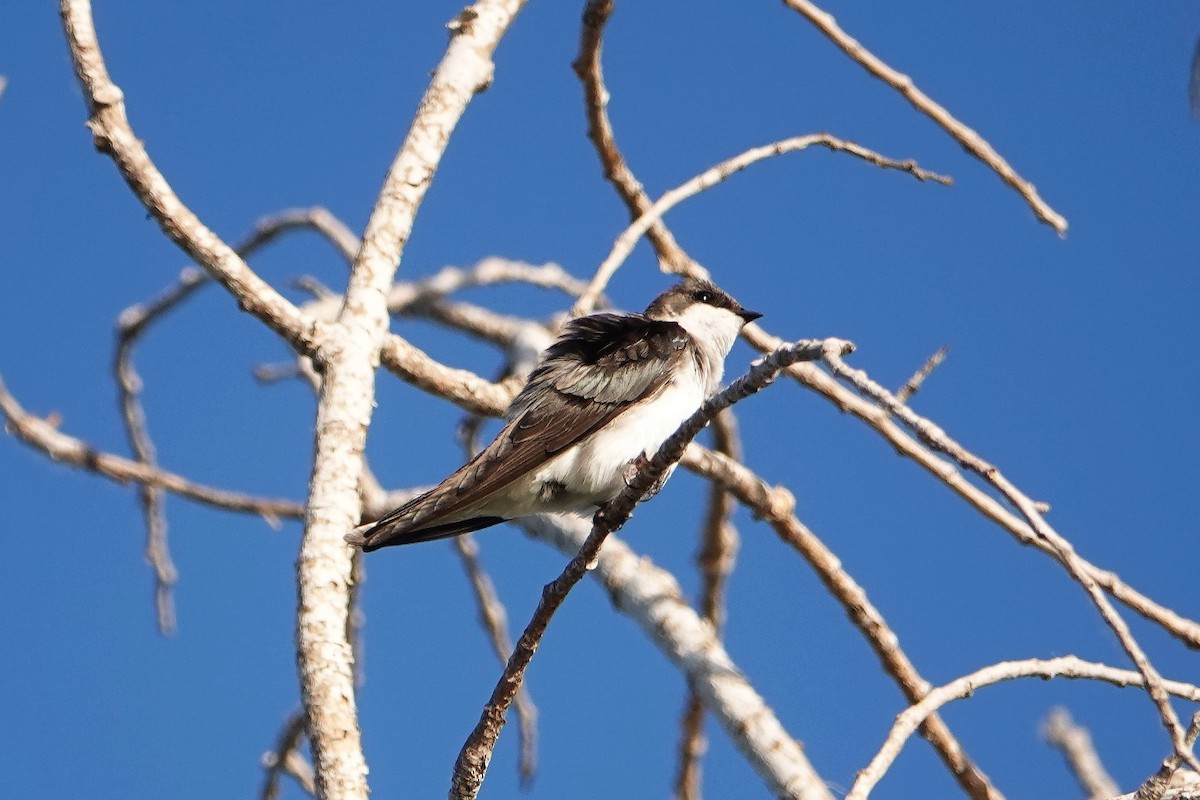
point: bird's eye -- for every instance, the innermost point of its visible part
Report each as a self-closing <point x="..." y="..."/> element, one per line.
<point x="701" y="296"/>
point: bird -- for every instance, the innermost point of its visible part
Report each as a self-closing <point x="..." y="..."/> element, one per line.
<point x="605" y="395"/>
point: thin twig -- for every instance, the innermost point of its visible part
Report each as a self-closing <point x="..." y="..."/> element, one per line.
<point x="495" y="622"/>
<point x="130" y="324"/>
<point x="1075" y="744"/>
<point x="970" y="140"/>
<point x="775" y="505"/>
<point x="1059" y="546"/>
<point x="43" y="436"/>
<point x="913" y="384"/>
<point x="285" y="758"/>
<point x="624" y="244"/>
<point x="1063" y="667"/>
<point x="473" y="759"/>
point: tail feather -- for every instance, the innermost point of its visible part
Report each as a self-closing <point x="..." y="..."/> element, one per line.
<point x="389" y="532"/>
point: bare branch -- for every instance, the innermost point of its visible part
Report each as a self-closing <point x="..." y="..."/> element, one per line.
<point x="651" y="597"/>
<point x="495" y="621"/>
<point x="1076" y="745"/>
<point x="1063" y="667"/>
<point x="285" y="758"/>
<point x="711" y="177"/>
<point x="1059" y="547"/>
<point x="473" y="759"/>
<point x="113" y="136"/>
<point x="970" y="140"/>
<point x="775" y="505"/>
<point x="587" y="67"/>
<point x="907" y="445"/>
<point x="130" y="324"/>
<point x="718" y="553"/>
<point x="43" y="436"/>
<point x="347" y="357"/>
<point x="1171" y="782"/>
<point x="913" y="384"/>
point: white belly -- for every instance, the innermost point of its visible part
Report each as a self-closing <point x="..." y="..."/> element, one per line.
<point x="592" y="472"/>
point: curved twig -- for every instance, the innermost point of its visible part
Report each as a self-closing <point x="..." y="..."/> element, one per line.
<point x="624" y="244"/>
<point x="1063" y="667"/>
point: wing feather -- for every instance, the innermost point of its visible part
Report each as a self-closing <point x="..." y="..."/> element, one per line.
<point x="597" y="369"/>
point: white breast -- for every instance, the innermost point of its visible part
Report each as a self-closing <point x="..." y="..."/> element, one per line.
<point x="593" y="471"/>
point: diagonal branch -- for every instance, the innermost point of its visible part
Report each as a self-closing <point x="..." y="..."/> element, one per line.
<point x="473" y="759"/>
<point x="600" y="131"/>
<point x="113" y="136"/>
<point x="651" y="597"/>
<point x="907" y="445"/>
<point x="1057" y="545"/>
<point x="775" y="505"/>
<point x="970" y="140"/>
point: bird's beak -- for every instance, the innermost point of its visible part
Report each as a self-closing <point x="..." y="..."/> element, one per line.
<point x="748" y="316"/>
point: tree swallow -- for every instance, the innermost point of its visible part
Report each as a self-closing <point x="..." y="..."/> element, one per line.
<point x="602" y="400"/>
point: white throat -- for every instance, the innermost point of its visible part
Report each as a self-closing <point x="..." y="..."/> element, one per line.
<point x="714" y="329"/>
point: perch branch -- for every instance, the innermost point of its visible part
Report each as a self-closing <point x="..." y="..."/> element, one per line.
<point x="473" y="759"/>
<point x="495" y="621"/>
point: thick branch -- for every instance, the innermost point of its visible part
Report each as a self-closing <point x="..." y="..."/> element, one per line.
<point x="347" y="358"/>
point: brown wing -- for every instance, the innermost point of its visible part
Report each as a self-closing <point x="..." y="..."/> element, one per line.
<point x="599" y="367"/>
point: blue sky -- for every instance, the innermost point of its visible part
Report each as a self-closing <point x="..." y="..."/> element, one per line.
<point x="1072" y="367"/>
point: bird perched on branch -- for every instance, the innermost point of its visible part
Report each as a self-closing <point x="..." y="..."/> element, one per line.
<point x="602" y="400"/>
